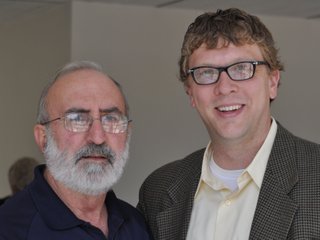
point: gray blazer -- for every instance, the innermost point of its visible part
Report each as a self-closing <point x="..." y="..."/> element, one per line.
<point x="288" y="205"/>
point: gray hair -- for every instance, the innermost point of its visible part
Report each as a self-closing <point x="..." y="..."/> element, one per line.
<point x="43" y="115"/>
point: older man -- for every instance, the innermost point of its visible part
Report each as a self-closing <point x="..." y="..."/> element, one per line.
<point x="83" y="130"/>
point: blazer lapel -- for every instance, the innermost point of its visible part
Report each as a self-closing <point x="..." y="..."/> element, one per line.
<point x="173" y="223"/>
<point x="275" y="210"/>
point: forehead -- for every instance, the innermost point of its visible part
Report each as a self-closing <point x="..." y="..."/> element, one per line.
<point x="84" y="89"/>
<point x="225" y="54"/>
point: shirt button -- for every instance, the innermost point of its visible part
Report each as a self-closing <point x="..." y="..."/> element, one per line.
<point x="228" y="202"/>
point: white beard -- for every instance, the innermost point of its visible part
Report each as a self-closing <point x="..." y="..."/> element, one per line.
<point x="80" y="175"/>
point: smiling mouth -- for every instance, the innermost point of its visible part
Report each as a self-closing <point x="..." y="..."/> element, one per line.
<point x="229" y="108"/>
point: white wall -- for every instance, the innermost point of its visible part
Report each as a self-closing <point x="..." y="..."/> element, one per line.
<point x="297" y="106"/>
<point x="139" y="47"/>
<point x="32" y="47"/>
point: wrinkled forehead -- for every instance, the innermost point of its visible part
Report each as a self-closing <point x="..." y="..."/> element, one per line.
<point x="89" y="90"/>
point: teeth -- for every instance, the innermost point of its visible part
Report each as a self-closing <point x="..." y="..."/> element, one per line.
<point x="229" y="108"/>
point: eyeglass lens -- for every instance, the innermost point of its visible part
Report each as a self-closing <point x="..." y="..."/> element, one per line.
<point x="81" y="122"/>
<point x="237" y="71"/>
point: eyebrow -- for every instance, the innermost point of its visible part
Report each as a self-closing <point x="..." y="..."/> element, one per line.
<point x="77" y="110"/>
<point x="111" y="110"/>
<point x="106" y="110"/>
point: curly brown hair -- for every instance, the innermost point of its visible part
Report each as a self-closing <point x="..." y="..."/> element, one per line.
<point x="229" y="26"/>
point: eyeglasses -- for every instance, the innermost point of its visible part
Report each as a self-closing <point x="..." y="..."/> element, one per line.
<point x="82" y="121"/>
<point x="205" y="75"/>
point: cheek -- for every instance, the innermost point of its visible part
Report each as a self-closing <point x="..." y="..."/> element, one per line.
<point x="200" y="96"/>
<point x="262" y="89"/>
<point x="68" y="142"/>
<point x="117" y="142"/>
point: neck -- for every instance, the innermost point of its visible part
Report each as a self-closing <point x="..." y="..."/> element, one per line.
<point x="238" y="153"/>
<point x="234" y="157"/>
<point x="86" y="207"/>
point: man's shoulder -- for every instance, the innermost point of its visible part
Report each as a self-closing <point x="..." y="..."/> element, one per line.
<point x="296" y="153"/>
<point x="286" y="139"/>
<point x="189" y="163"/>
<point x="134" y="223"/>
<point x="117" y="205"/>
<point x="16" y="214"/>
<point x="2" y="200"/>
<point x="20" y="203"/>
<point x="177" y="179"/>
<point x="175" y="171"/>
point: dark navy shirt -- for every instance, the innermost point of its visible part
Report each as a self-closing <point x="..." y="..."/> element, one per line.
<point x="37" y="213"/>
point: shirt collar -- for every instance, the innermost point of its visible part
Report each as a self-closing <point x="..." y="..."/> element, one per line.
<point x="52" y="210"/>
<point x="256" y="168"/>
<point x="58" y="216"/>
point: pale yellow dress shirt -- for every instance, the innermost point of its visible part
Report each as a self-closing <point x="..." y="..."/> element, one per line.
<point x="221" y="214"/>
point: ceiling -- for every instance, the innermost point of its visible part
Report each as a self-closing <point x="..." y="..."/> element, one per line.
<point x="308" y="9"/>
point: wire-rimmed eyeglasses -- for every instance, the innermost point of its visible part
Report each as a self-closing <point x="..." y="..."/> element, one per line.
<point x="205" y="75"/>
<point x="82" y="121"/>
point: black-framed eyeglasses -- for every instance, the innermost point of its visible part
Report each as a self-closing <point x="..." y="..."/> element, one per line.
<point x="205" y="75"/>
<point x="82" y="121"/>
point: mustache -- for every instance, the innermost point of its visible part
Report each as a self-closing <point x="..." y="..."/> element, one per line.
<point x="96" y="150"/>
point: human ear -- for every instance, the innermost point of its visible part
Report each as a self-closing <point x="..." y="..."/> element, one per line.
<point x="189" y="93"/>
<point x="40" y="136"/>
<point x="274" y="84"/>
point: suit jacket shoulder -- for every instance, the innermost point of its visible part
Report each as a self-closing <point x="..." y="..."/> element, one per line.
<point x="166" y="196"/>
<point x="289" y="197"/>
<point x="173" y="171"/>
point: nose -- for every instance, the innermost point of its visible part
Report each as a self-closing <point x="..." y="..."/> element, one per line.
<point x="96" y="133"/>
<point x="225" y="85"/>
